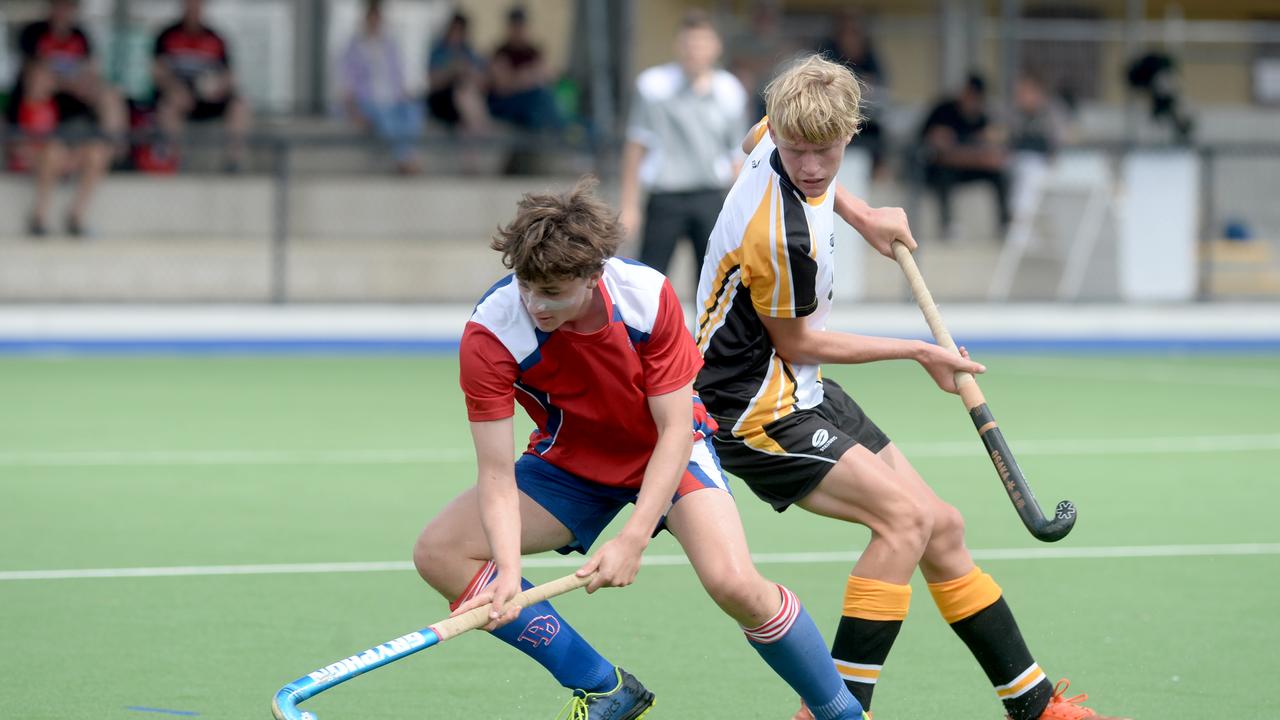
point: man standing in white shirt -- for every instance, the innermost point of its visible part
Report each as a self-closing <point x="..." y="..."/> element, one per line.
<point x="687" y="120"/>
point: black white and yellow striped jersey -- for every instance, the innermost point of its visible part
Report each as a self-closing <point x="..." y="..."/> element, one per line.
<point x="771" y="253"/>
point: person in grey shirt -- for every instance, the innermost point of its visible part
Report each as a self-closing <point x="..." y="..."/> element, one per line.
<point x="687" y="120"/>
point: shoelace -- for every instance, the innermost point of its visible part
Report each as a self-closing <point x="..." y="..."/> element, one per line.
<point x="1077" y="700"/>
<point x="575" y="709"/>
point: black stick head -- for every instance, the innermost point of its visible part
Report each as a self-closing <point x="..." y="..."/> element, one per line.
<point x="1064" y="518"/>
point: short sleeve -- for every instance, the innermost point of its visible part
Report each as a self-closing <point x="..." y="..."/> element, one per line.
<point x="759" y="130"/>
<point x="640" y="125"/>
<point x="669" y="356"/>
<point x="778" y="257"/>
<point x="487" y="374"/>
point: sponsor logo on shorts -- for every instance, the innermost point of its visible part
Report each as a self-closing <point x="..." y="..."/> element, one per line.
<point x="541" y="630"/>
<point x="369" y="658"/>
<point x="822" y="439"/>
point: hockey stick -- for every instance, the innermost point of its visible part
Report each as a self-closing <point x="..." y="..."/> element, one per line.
<point x="285" y="704"/>
<point x="1015" y="483"/>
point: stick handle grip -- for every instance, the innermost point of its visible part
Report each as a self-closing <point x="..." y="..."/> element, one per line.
<point x="479" y="617"/>
<point x="966" y="384"/>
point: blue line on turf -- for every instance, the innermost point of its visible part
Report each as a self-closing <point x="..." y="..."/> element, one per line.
<point x="139" y="708"/>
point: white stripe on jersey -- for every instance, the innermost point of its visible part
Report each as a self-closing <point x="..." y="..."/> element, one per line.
<point x="635" y="289"/>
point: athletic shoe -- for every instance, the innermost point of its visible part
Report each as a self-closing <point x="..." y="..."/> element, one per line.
<point x="1070" y="708"/>
<point x="629" y="700"/>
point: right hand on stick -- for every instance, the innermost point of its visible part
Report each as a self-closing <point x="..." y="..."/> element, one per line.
<point x="942" y="365"/>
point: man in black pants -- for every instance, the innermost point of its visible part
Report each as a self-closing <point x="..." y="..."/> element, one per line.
<point x="683" y="136"/>
<point x="960" y="147"/>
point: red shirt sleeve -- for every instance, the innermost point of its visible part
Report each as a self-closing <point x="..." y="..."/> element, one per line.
<point x="670" y="358"/>
<point x="487" y="373"/>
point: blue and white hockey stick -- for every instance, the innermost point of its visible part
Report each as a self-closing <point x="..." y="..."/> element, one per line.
<point x="285" y="704"/>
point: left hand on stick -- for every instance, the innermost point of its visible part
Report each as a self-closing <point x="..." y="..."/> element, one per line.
<point x="615" y="564"/>
<point x="942" y="365"/>
<point x="499" y="592"/>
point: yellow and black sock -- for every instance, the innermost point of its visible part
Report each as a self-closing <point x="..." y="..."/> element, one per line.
<point x="873" y="615"/>
<point x="974" y="607"/>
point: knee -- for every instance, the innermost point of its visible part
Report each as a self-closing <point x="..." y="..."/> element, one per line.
<point x="430" y="554"/>
<point x="743" y="594"/>
<point x="909" y="526"/>
<point x="948" y="526"/>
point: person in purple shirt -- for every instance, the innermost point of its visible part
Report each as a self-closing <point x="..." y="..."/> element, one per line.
<point x="374" y="92"/>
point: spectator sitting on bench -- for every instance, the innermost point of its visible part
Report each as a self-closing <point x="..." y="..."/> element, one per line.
<point x="519" y="81"/>
<point x="72" y="115"/>
<point x="960" y="146"/>
<point x="374" y="92"/>
<point x="455" y="81"/>
<point x="193" y="79"/>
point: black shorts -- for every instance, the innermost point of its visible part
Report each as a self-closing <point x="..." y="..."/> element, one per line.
<point x="813" y="441"/>
<point x="206" y="110"/>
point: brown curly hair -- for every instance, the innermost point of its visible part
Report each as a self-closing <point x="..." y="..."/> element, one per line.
<point x="555" y="236"/>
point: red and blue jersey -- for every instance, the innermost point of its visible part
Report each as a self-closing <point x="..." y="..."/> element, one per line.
<point x="587" y="392"/>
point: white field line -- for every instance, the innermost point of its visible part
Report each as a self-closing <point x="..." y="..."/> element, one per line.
<point x="103" y="458"/>
<point x="1021" y="446"/>
<point x="1228" y="377"/>
<point x="806" y="558"/>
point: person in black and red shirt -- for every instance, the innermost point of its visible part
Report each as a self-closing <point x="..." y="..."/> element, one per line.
<point x="193" y="79"/>
<point x="60" y="91"/>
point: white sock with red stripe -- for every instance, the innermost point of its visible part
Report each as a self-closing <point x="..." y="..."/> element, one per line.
<point x="791" y="644"/>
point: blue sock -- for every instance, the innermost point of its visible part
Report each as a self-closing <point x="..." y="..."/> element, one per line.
<point x="543" y="635"/>
<point x="793" y="647"/>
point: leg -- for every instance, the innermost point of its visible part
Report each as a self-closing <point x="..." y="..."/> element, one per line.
<point x="407" y="120"/>
<point x="1000" y="183"/>
<point x="662" y="229"/>
<point x="172" y="110"/>
<point x="973" y="605"/>
<point x="453" y="545"/>
<point x="452" y="555"/>
<point x="863" y="488"/>
<point x="95" y="159"/>
<point x="941" y="179"/>
<point x="50" y="161"/>
<point x="707" y="525"/>
<point x="238" y="120"/>
<point x="703" y="211"/>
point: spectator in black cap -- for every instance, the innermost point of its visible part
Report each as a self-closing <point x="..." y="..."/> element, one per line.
<point x="960" y="145"/>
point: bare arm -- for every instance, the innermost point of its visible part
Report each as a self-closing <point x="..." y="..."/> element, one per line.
<point x="800" y="344"/>
<point x="499" y="506"/>
<point x="878" y="226"/>
<point x="632" y="155"/>
<point x="618" y="560"/>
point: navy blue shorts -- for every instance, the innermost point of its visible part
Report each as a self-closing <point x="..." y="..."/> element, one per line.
<point x="587" y="508"/>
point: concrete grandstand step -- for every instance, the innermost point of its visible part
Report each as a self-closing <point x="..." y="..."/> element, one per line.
<point x="162" y="206"/>
<point x="954" y="271"/>
<point x="120" y="269"/>
<point x="232" y="270"/>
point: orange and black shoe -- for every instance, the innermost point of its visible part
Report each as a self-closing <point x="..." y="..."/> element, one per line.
<point x="1070" y="708"/>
